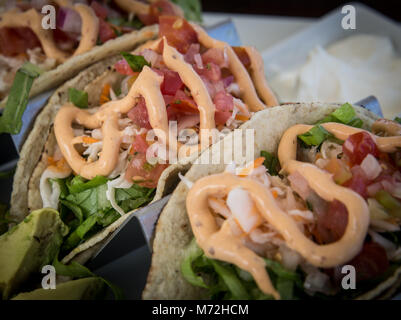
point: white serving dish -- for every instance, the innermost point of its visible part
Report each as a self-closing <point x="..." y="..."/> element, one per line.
<point x="293" y="51"/>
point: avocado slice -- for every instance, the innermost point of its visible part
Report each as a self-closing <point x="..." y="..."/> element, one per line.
<point x="28" y="246"/>
<point x="81" y="289"/>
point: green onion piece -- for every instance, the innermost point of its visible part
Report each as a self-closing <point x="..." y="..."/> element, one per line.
<point x="78" y="98"/>
<point x="11" y="120"/>
<point x="135" y="62"/>
<point x="392" y="205"/>
<point x="345" y="115"/>
<point x="315" y="136"/>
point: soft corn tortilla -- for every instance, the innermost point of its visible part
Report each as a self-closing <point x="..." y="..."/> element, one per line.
<point x="173" y="231"/>
<point x="74" y="65"/>
<point x="41" y="143"/>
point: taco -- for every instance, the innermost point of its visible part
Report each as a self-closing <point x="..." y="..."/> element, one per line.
<point x="81" y="34"/>
<point x="101" y="147"/>
<point x="315" y="216"/>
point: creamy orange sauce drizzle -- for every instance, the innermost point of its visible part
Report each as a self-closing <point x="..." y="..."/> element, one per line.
<point x="258" y="77"/>
<point x="175" y="61"/>
<point x="238" y="70"/>
<point x="223" y="245"/>
<point x="147" y="85"/>
<point x="133" y="6"/>
<point x="33" y="20"/>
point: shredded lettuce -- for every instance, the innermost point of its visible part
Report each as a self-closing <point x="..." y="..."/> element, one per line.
<point x="192" y="9"/>
<point x="11" y="120"/>
<point x="271" y="163"/>
<point x="397" y="119"/>
<point x="76" y="271"/>
<point x="226" y="281"/>
<point x="135" y="62"/>
<point x="85" y="209"/>
<point x="78" y="98"/>
<point x="345" y="115"/>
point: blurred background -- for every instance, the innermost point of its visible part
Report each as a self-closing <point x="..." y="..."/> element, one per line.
<point x="296" y="8"/>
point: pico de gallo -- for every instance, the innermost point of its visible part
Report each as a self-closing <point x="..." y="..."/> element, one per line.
<point x="285" y="226"/>
<point x="78" y="28"/>
<point x="105" y="164"/>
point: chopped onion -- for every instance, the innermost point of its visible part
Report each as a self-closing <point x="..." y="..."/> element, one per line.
<point x="234" y="89"/>
<point x="198" y="61"/>
<point x="68" y="20"/>
<point x="290" y="258"/>
<point x="317" y="281"/>
<point x="150" y="56"/>
<point x="371" y="167"/>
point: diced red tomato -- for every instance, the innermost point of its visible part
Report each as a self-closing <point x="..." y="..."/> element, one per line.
<point x="178" y="32"/>
<point x="358" y="182"/>
<point x="140" y="170"/>
<point x="371" y="262"/>
<point x="216" y="56"/>
<point x="139" y="144"/>
<point x="221" y="117"/>
<point x="139" y="114"/>
<point x="211" y="71"/>
<point x="171" y="83"/>
<point x="331" y="224"/>
<point x="243" y="56"/>
<point x="183" y="103"/>
<point x="157" y="9"/>
<point x="106" y="32"/>
<point x="123" y="67"/>
<point x="358" y="146"/>
<point x="223" y="101"/>
<point x="100" y="11"/>
<point x="14" y="41"/>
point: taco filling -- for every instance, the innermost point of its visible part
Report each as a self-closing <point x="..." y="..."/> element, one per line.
<point x="109" y="158"/>
<point x="78" y="28"/>
<point x="284" y="227"/>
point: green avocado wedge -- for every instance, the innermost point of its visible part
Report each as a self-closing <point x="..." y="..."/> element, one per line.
<point x="81" y="289"/>
<point x="28" y="246"/>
